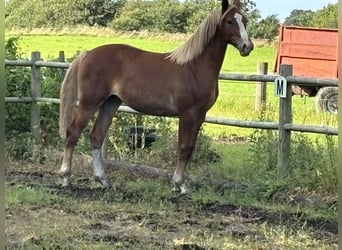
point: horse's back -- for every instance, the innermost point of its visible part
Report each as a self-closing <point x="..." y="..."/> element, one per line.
<point x="146" y="81"/>
<point x="120" y="51"/>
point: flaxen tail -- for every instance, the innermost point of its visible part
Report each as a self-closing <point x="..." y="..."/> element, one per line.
<point x="68" y="97"/>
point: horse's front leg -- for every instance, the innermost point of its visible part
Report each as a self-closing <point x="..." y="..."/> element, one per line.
<point x="189" y="125"/>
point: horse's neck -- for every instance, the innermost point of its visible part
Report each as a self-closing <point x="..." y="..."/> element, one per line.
<point x="212" y="57"/>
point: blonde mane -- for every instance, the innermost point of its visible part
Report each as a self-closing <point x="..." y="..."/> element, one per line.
<point x="197" y="42"/>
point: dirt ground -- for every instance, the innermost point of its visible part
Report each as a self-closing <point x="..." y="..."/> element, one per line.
<point x="125" y="221"/>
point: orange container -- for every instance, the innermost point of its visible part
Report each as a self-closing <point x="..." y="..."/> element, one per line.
<point x="311" y="51"/>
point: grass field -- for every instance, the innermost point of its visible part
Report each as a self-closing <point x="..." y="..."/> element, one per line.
<point x="50" y="45"/>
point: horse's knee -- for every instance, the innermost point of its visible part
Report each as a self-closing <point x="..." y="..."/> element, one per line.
<point x="72" y="137"/>
<point x="185" y="151"/>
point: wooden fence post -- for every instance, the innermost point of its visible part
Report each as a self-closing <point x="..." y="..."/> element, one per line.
<point x="285" y="116"/>
<point x="36" y="78"/>
<point x="260" y="93"/>
<point x="61" y="58"/>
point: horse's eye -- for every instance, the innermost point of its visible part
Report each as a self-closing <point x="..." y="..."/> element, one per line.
<point x="229" y="21"/>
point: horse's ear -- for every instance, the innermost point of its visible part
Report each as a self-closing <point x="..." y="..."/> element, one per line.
<point x="237" y="4"/>
<point x="225" y="5"/>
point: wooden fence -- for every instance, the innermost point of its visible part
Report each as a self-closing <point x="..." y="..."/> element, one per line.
<point x="284" y="125"/>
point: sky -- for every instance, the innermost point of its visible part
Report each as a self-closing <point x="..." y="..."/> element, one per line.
<point x="283" y="8"/>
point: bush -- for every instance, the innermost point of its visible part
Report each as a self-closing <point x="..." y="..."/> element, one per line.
<point x="51" y="83"/>
<point x="18" y="115"/>
<point x="312" y="162"/>
<point x="18" y="84"/>
<point x="163" y="151"/>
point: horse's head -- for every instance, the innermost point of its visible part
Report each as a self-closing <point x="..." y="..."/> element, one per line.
<point x="233" y="27"/>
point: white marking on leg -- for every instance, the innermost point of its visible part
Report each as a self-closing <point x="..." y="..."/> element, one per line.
<point x="177" y="179"/>
<point x="64" y="172"/>
<point x="183" y="189"/>
<point x="97" y="163"/>
<point x="178" y="182"/>
<point x="64" y="169"/>
<point x="99" y="168"/>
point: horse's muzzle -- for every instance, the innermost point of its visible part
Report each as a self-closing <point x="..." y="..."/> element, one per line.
<point x="246" y="48"/>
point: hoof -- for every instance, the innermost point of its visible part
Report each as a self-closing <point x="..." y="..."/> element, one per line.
<point x="104" y="182"/>
<point x="66" y="181"/>
<point x="181" y="189"/>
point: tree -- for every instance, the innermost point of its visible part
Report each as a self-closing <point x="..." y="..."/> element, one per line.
<point x="52" y="13"/>
<point x="199" y="9"/>
<point x="152" y="15"/>
<point x="267" y="28"/>
<point x="134" y="15"/>
<point x="99" y="12"/>
<point x="326" y="17"/>
<point x="323" y="18"/>
<point x="39" y="13"/>
<point x="170" y="16"/>
<point x="300" y="18"/>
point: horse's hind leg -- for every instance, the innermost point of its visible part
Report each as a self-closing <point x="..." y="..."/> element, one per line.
<point x="98" y="133"/>
<point x="73" y="133"/>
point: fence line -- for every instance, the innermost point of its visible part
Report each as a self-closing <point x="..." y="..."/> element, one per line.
<point x="284" y="125"/>
<point x="309" y="81"/>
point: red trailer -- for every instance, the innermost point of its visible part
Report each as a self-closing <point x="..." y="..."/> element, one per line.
<point x="313" y="53"/>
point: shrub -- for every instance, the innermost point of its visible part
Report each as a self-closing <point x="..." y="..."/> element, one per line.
<point x="19" y="140"/>
<point x="312" y="162"/>
<point x="18" y="84"/>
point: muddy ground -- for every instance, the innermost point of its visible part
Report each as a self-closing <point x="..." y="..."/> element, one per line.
<point x="185" y="225"/>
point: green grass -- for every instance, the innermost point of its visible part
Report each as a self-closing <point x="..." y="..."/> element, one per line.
<point x="142" y="213"/>
<point x="71" y="44"/>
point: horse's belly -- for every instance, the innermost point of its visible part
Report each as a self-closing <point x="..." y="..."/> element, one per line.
<point x="156" y="105"/>
<point x="155" y="110"/>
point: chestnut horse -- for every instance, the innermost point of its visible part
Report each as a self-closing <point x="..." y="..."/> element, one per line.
<point x="182" y="83"/>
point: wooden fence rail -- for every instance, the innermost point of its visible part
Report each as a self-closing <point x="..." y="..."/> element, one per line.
<point x="284" y="125"/>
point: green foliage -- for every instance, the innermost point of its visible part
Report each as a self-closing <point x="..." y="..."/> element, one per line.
<point x="172" y="17"/>
<point x="141" y="15"/>
<point x="23" y="147"/>
<point x="312" y="162"/>
<point x="20" y="144"/>
<point x="326" y="17"/>
<point x="98" y="12"/>
<point x="134" y="16"/>
<point x="300" y="18"/>
<point x="198" y="13"/>
<point x="158" y="15"/>
<point x="43" y="13"/>
<point x="167" y="15"/>
<point x="18" y="84"/>
<point x="50" y="88"/>
<point x="267" y="28"/>
<point x="33" y="14"/>
<point x="323" y="18"/>
<point x="163" y="151"/>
